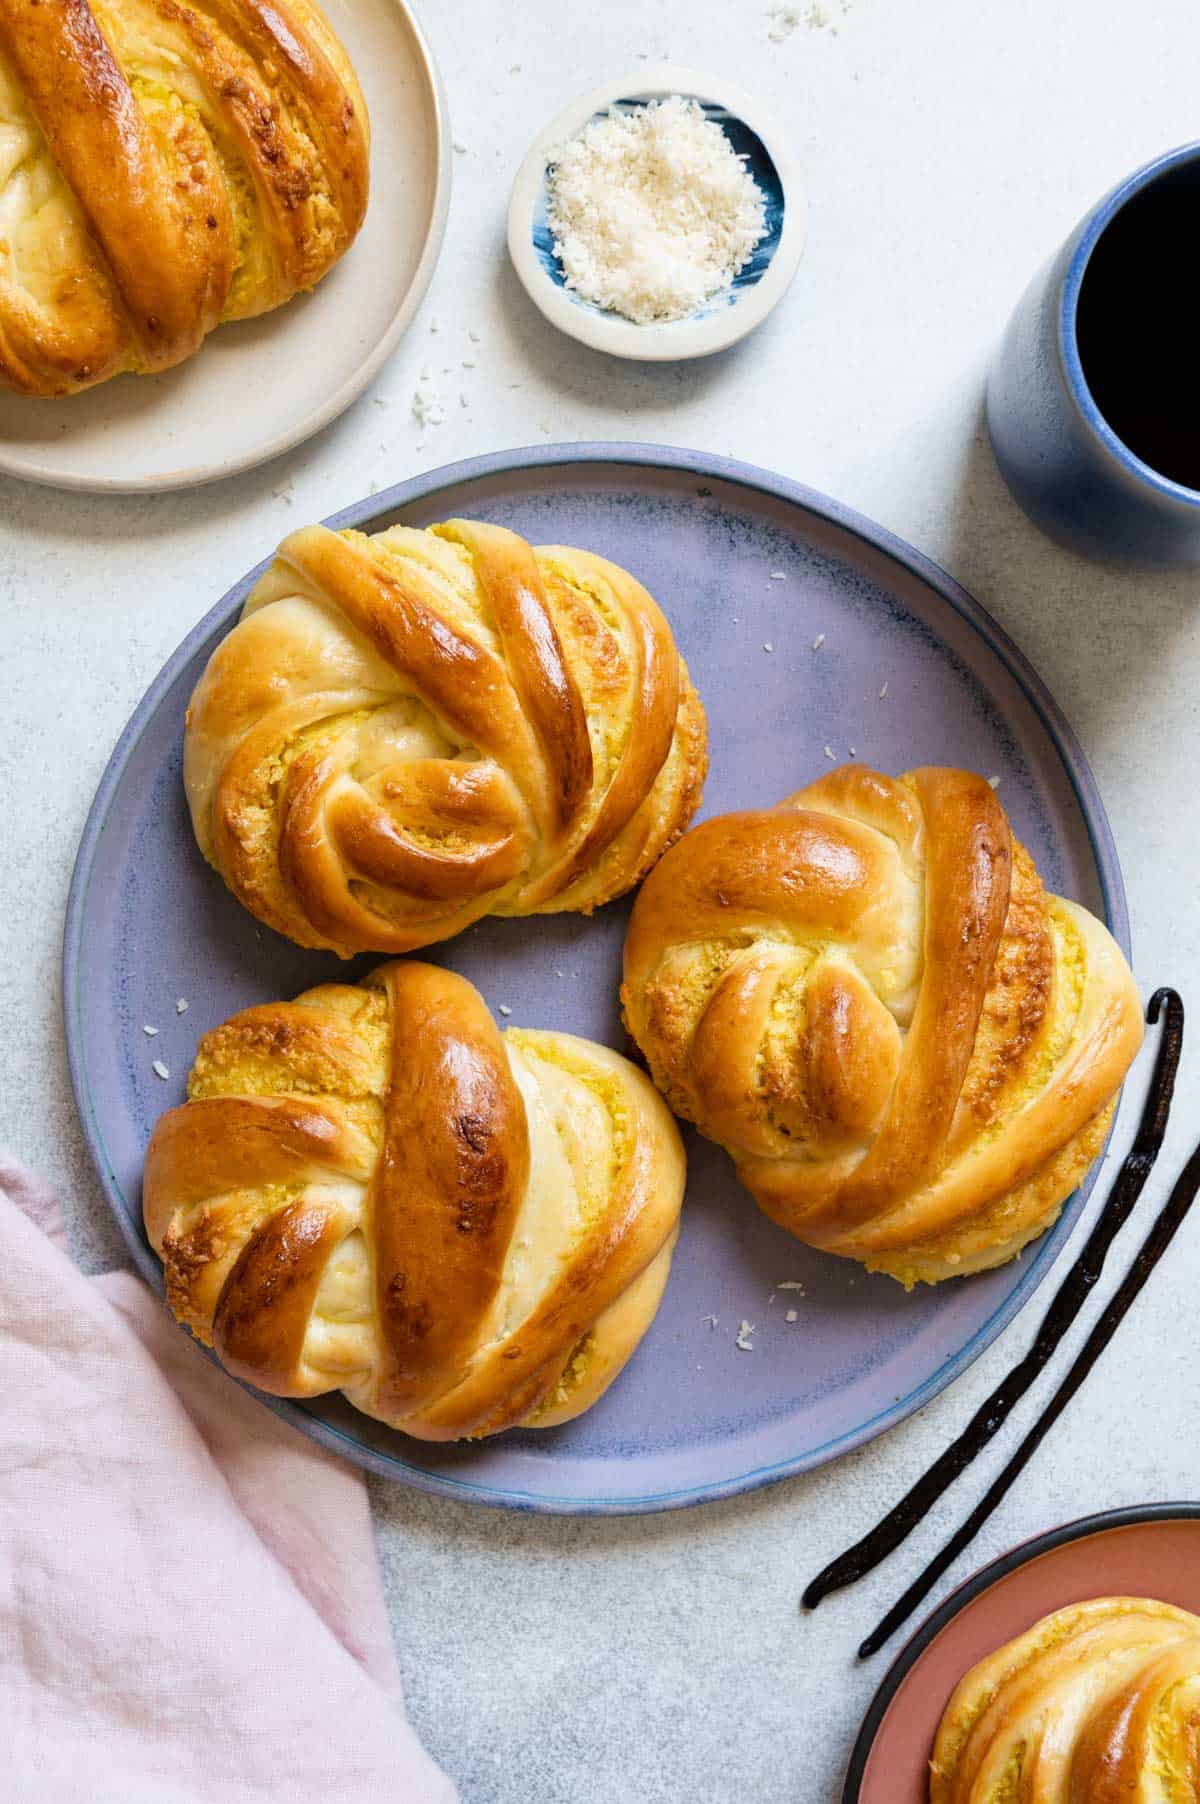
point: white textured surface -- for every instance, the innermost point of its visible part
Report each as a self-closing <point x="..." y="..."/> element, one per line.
<point x="947" y="150"/>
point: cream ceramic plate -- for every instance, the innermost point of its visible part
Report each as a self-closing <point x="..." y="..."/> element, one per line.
<point x="255" y="389"/>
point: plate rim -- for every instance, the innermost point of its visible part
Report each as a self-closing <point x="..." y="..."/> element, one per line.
<point x="973" y="1586"/>
<point x="705" y="465"/>
<point x="31" y="469"/>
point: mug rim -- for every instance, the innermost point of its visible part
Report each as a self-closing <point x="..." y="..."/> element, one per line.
<point x="1094" y="226"/>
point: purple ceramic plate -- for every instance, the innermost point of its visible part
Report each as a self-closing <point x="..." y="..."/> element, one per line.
<point x="739" y="559"/>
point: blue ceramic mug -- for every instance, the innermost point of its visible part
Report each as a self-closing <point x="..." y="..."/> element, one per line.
<point x="1062" y="460"/>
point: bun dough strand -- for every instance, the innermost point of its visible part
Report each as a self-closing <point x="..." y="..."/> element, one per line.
<point x="371" y="1189"/>
<point x="411" y="730"/>
<point x="866" y="995"/>
<point x="165" y="167"/>
<point x="1097" y="1704"/>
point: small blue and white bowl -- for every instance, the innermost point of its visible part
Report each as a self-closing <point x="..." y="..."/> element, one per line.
<point x="727" y="315"/>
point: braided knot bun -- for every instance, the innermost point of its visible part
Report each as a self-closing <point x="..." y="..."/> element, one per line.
<point x="865" y="994"/>
<point x="1097" y="1704"/>
<point x="371" y="1189"/>
<point x="408" y="731"/>
<point x="164" y="168"/>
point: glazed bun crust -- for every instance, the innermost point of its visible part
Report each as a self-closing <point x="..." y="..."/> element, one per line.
<point x="371" y="1189"/>
<point x="866" y="995"/>
<point x="1097" y="1704"/>
<point x="408" y="731"/>
<point x="163" y="168"/>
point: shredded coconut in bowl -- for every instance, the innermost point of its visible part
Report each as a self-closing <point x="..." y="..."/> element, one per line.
<point x="652" y="212"/>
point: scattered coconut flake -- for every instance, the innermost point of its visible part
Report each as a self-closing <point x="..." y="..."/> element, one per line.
<point x="459" y="147"/>
<point x="557" y="972"/>
<point x="767" y="646"/>
<point x="995" y="782"/>
<point x="828" y="750"/>
<point x="779" y="576"/>
<point x="818" y="642"/>
<point x="504" y="1009"/>
<point x="463" y="401"/>
<point x="793" y="1315"/>
<point x="784" y="21"/>
<point x="883" y="692"/>
<point x="712" y="1320"/>
<point x="181" y="1006"/>
<point x="468" y="363"/>
<point x="160" y="1070"/>
<point x="742" y="1340"/>
<point x="853" y="751"/>
<point x="427" y="403"/>
<point x="435" y="325"/>
<point x="817" y="15"/>
<point x="147" y="1029"/>
<point x="474" y="338"/>
<point x="790" y="1284"/>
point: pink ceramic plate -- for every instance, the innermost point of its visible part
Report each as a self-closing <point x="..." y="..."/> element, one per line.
<point x="1152" y="1551"/>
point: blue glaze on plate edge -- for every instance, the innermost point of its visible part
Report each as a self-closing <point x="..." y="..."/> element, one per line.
<point x="631" y="459"/>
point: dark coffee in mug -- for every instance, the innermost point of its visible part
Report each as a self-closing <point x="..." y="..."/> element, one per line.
<point x="1138" y="325"/>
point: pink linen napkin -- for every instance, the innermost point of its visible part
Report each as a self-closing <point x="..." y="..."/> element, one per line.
<point x="190" y="1601"/>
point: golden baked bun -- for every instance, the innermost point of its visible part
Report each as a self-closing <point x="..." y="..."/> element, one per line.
<point x="410" y="730"/>
<point x="1097" y="1704"/>
<point x="372" y="1190"/>
<point x="865" y="994"/>
<point x="164" y="168"/>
